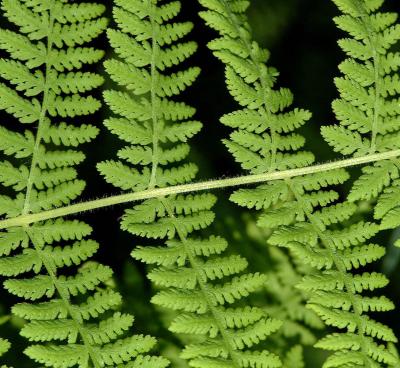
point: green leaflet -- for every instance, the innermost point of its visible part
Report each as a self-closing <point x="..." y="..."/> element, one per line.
<point x="69" y="308"/>
<point x="204" y="286"/>
<point x="4" y="347"/>
<point x="299" y="212"/>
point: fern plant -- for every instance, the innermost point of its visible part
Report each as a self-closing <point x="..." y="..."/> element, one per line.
<point x="196" y="279"/>
<point x="223" y="314"/>
<point x="44" y="88"/>
<point x="263" y="141"/>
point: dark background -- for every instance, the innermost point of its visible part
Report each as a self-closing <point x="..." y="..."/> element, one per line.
<point x="302" y="39"/>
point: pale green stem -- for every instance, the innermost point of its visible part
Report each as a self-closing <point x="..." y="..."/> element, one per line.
<point x="195" y="187"/>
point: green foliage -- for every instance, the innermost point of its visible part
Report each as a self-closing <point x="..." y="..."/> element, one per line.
<point x="4" y="347"/>
<point x="72" y="317"/>
<point x="310" y="264"/>
<point x="264" y="140"/>
<point x="298" y="321"/>
<point x="301" y="213"/>
<point x="369" y="89"/>
<point x="204" y="286"/>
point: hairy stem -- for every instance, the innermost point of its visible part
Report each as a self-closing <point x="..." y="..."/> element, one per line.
<point x="195" y="187"/>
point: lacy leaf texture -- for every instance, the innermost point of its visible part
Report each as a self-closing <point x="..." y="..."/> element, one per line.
<point x="321" y="246"/>
<point x="70" y="312"/>
<point x="264" y="140"/>
<point x="368" y="108"/>
<point x="197" y="279"/>
<point x="305" y="214"/>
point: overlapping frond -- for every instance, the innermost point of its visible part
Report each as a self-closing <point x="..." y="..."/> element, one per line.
<point x="303" y="214"/>
<point x="299" y="322"/>
<point x="305" y="217"/>
<point x="368" y="107"/>
<point x="264" y="139"/>
<point x="197" y="280"/>
<point x="71" y="312"/>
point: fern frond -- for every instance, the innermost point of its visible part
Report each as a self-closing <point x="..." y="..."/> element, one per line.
<point x="264" y="140"/>
<point x="302" y="213"/>
<point x="196" y="280"/>
<point x="67" y="311"/>
<point x="369" y="90"/>
<point x="335" y="294"/>
<point x="298" y="321"/>
<point x="251" y="83"/>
